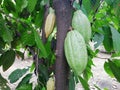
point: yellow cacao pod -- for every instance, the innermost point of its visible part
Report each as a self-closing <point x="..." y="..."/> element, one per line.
<point x="81" y="23"/>
<point x="51" y="84"/>
<point x="75" y="51"/>
<point x="49" y="23"/>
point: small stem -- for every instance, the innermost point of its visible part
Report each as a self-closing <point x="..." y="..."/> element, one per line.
<point x="96" y="12"/>
<point x="102" y="57"/>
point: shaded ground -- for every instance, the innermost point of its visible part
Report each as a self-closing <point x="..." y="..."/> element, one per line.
<point x="99" y="79"/>
<point x="17" y="64"/>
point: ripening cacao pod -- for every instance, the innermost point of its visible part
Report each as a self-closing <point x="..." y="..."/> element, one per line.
<point x="51" y="84"/>
<point x="49" y="23"/>
<point x="75" y="51"/>
<point x="81" y="23"/>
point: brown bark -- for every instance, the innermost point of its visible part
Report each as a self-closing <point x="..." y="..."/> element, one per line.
<point x="63" y="11"/>
<point x="43" y="27"/>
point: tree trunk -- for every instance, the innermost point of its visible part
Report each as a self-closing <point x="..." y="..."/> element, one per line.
<point x="63" y="11"/>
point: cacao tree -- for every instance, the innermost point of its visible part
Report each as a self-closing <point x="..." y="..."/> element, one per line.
<point x="56" y="33"/>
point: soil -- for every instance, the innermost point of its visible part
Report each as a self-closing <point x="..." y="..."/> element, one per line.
<point x="100" y="78"/>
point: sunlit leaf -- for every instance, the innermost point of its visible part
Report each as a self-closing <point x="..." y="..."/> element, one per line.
<point x="107" y="42"/>
<point x="108" y="69"/>
<point x="28" y="38"/>
<point x="32" y="67"/>
<point x="88" y="72"/>
<point x="95" y="4"/>
<point x="117" y="62"/>
<point x="110" y="2"/>
<point x="87" y="5"/>
<point x="20" y="5"/>
<point x="116" y="39"/>
<point x="39" y="18"/>
<point x="84" y="83"/>
<point x="40" y="44"/>
<point x="31" y="5"/>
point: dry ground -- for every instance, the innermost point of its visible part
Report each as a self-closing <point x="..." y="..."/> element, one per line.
<point x="100" y="78"/>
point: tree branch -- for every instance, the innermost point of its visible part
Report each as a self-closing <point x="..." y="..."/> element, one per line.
<point x="43" y="27"/>
<point x="63" y="11"/>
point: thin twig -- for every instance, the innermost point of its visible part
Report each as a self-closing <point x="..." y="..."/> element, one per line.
<point x="96" y="12"/>
<point x="102" y="57"/>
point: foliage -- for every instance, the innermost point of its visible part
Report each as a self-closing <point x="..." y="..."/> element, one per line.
<point x="21" y="22"/>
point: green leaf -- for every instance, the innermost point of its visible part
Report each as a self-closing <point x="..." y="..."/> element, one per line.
<point x="44" y="2"/>
<point x="95" y="4"/>
<point x="84" y="83"/>
<point x="31" y="5"/>
<point x="107" y="42"/>
<point x="17" y="74"/>
<point x="115" y="55"/>
<point x="40" y="44"/>
<point x="3" y="83"/>
<point x="25" y="87"/>
<point x="0" y="2"/>
<point x="117" y="62"/>
<point x="116" y="5"/>
<point x="76" y="5"/>
<point x="98" y="88"/>
<point x="98" y="38"/>
<point x="43" y="75"/>
<point x="44" y="72"/>
<point x="116" y="39"/>
<point x="92" y="53"/>
<point x="32" y="67"/>
<point x="86" y="4"/>
<point x="25" y="80"/>
<point x="8" y="6"/>
<point x="39" y="18"/>
<point x="110" y="2"/>
<point x="20" y="5"/>
<point x="5" y="33"/>
<point x="28" y="38"/>
<point x="71" y="82"/>
<point x="19" y="54"/>
<point x="88" y="72"/>
<point x="115" y="70"/>
<point x="2" y="45"/>
<point x="7" y="59"/>
<point x="108" y="69"/>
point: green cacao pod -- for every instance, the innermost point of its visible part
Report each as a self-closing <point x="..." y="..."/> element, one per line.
<point x="75" y="51"/>
<point x="81" y="23"/>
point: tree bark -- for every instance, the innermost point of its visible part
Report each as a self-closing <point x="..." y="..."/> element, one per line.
<point x="63" y="11"/>
<point x="43" y="27"/>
